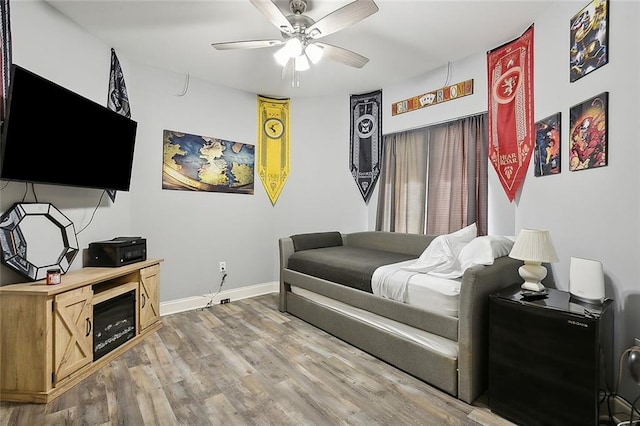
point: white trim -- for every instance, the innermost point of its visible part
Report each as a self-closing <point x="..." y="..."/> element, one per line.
<point x="197" y="302"/>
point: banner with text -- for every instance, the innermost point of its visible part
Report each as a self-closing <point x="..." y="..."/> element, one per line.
<point x="511" y="123"/>
<point x="435" y="97"/>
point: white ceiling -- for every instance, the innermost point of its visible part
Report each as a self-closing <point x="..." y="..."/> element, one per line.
<point x="402" y="40"/>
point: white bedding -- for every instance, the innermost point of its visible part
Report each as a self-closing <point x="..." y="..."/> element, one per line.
<point x="425" y="291"/>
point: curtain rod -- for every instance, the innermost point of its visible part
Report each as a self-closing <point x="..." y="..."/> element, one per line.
<point x="436" y="124"/>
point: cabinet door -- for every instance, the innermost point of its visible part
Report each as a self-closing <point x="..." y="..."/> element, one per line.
<point x="73" y="338"/>
<point x="543" y="365"/>
<point x="149" y="302"/>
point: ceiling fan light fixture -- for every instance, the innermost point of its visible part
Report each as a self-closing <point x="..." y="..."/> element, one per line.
<point x="293" y="47"/>
<point x="314" y="52"/>
<point x="282" y="56"/>
<point x="302" y="63"/>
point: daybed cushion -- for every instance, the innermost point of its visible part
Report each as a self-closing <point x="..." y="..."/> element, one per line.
<point x="350" y="266"/>
<point x="316" y="240"/>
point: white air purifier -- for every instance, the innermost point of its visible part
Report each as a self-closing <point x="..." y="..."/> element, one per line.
<point x="586" y="280"/>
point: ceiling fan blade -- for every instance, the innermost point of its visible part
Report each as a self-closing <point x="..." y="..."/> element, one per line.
<point x="273" y="14"/>
<point x="344" y="56"/>
<point x="249" y="44"/>
<point x="341" y="18"/>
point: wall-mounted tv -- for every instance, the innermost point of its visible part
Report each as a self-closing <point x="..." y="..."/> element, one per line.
<point x="54" y="136"/>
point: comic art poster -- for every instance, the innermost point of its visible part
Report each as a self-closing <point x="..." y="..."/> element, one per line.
<point x="546" y="153"/>
<point x="589" y="42"/>
<point x="588" y="145"/>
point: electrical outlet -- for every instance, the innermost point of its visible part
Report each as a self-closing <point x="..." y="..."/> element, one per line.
<point x="223" y="266"/>
<point x="225" y="301"/>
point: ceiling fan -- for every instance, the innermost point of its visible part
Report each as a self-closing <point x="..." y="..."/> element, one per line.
<point x="300" y="34"/>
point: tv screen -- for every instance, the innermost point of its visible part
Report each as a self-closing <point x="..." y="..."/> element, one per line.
<point x="54" y="136"/>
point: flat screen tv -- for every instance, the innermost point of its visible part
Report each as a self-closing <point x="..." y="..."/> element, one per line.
<point x="52" y="135"/>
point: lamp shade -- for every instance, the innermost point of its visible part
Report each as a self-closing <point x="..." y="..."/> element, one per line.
<point x="314" y="52"/>
<point x="282" y="56"/>
<point x="534" y="245"/>
<point x="293" y="47"/>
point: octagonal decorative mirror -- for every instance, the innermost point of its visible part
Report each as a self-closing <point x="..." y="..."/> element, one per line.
<point x="35" y="237"/>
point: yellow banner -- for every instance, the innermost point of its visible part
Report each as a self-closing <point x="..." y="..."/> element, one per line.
<point x="273" y="144"/>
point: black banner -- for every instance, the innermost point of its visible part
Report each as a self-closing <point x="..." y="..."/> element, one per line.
<point x="117" y="99"/>
<point x="5" y="51"/>
<point x="365" y="140"/>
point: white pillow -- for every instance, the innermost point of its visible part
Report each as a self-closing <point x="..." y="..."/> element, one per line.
<point x="480" y="251"/>
<point x="484" y="250"/>
<point x="443" y="249"/>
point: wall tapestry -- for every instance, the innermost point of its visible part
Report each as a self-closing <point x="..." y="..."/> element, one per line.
<point x="5" y="33"/>
<point x="589" y="44"/>
<point x="588" y="129"/>
<point x="511" y="124"/>
<point x="117" y="98"/>
<point x="202" y="163"/>
<point x="546" y="156"/>
<point x="273" y="145"/>
<point x="365" y="141"/>
<point x="449" y="93"/>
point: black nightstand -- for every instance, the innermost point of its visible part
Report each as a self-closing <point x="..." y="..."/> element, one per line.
<point x="547" y="357"/>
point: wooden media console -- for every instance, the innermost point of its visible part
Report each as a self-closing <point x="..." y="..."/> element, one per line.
<point x="46" y="331"/>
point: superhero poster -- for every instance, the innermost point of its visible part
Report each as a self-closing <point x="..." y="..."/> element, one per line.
<point x="588" y="147"/>
<point x="546" y="154"/>
<point x="589" y="40"/>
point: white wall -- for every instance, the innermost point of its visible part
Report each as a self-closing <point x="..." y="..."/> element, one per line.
<point x="192" y="231"/>
<point x="591" y="213"/>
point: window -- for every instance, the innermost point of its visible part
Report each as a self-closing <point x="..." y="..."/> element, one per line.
<point x="434" y="179"/>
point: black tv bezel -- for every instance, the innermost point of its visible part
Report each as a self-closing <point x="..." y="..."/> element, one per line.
<point x="79" y="181"/>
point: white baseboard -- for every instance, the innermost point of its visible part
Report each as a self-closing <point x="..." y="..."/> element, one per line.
<point x="197" y="302"/>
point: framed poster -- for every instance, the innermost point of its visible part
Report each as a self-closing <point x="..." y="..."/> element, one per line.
<point x="546" y="153"/>
<point x="588" y="125"/>
<point x="203" y="163"/>
<point x="589" y="40"/>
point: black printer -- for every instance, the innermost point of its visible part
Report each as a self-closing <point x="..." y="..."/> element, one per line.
<point x="118" y="251"/>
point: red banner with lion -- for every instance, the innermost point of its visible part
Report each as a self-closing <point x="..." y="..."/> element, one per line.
<point x="511" y="123"/>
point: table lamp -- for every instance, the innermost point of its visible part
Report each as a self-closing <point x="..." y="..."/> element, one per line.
<point x="533" y="246"/>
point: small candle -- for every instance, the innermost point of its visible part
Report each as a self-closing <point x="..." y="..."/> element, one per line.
<point x="53" y="276"/>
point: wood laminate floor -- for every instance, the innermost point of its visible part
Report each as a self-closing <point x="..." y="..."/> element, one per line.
<point x="245" y="363"/>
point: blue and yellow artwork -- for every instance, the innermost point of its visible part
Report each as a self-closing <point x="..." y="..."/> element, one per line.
<point x="202" y="163"/>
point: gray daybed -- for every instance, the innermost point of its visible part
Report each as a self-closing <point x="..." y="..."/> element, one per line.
<point x="330" y="257"/>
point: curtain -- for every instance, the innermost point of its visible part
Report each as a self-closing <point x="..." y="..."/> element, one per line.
<point x="434" y="179"/>
<point x="403" y="183"/>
